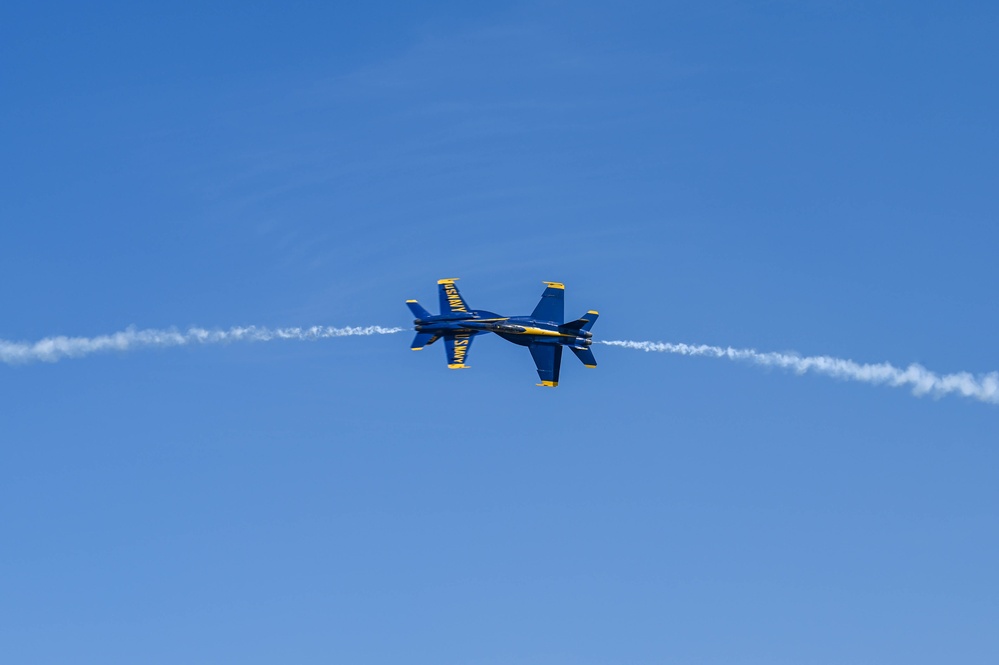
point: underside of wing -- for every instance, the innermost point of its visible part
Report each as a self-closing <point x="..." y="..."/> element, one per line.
<point x="548" y="358"/>
<point x="450" y="299"/>
<point x="457" y="346"/>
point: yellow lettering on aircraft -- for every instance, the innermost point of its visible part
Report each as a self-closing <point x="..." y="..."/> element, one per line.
<point x="461" y="343"/>
<point x="453" y="297"/>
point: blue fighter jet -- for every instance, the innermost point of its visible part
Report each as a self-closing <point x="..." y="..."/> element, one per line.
<point x="543" y="332"/>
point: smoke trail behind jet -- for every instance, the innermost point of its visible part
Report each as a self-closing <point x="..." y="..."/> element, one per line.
<point x="53" y="349"/>
<point x="984" y="388"/>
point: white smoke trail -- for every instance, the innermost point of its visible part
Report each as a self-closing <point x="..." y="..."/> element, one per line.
<point x="52" y="349"/>
<point x="984" y="387"/>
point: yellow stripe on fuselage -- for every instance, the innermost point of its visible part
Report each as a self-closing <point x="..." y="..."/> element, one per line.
<point x="542" y="332"/>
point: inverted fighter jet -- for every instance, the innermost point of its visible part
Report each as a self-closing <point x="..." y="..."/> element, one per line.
<point x="543" y="332"/>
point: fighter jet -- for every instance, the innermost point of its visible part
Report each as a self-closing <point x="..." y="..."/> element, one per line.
<point x="543" y="332"/>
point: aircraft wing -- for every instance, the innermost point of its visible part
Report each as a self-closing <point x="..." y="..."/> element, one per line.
<point x="552" y="305"/>
<point x="457" y="346"/>
<point x="450" y="298"/>
<point x="548" y="358"/>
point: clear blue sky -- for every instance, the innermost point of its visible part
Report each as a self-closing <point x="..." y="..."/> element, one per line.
<point x="809" y="176"/>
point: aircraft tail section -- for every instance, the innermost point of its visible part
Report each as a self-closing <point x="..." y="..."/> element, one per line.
<point x="451" y="300"/>
<point x="585" y="356"/>
<point x="584" y="323"/>
<point x="417" y="310"/>
<point x="423" y="339"/>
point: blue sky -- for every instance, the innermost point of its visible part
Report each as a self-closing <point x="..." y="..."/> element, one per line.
<point x="816" y="177"/>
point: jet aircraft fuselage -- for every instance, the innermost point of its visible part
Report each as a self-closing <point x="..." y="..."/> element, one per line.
<point x="543" y="331"/>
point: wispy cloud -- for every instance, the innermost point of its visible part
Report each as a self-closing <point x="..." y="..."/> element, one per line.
<point x="53" y="349"/>
<point x="984" y="387"/>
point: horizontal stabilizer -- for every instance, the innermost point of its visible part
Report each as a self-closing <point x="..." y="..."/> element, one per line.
<point x="417" y="310"/>
<point x="583" y="324"/>
<point x="423" y="339"/>
<point x="585" y="356"/>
